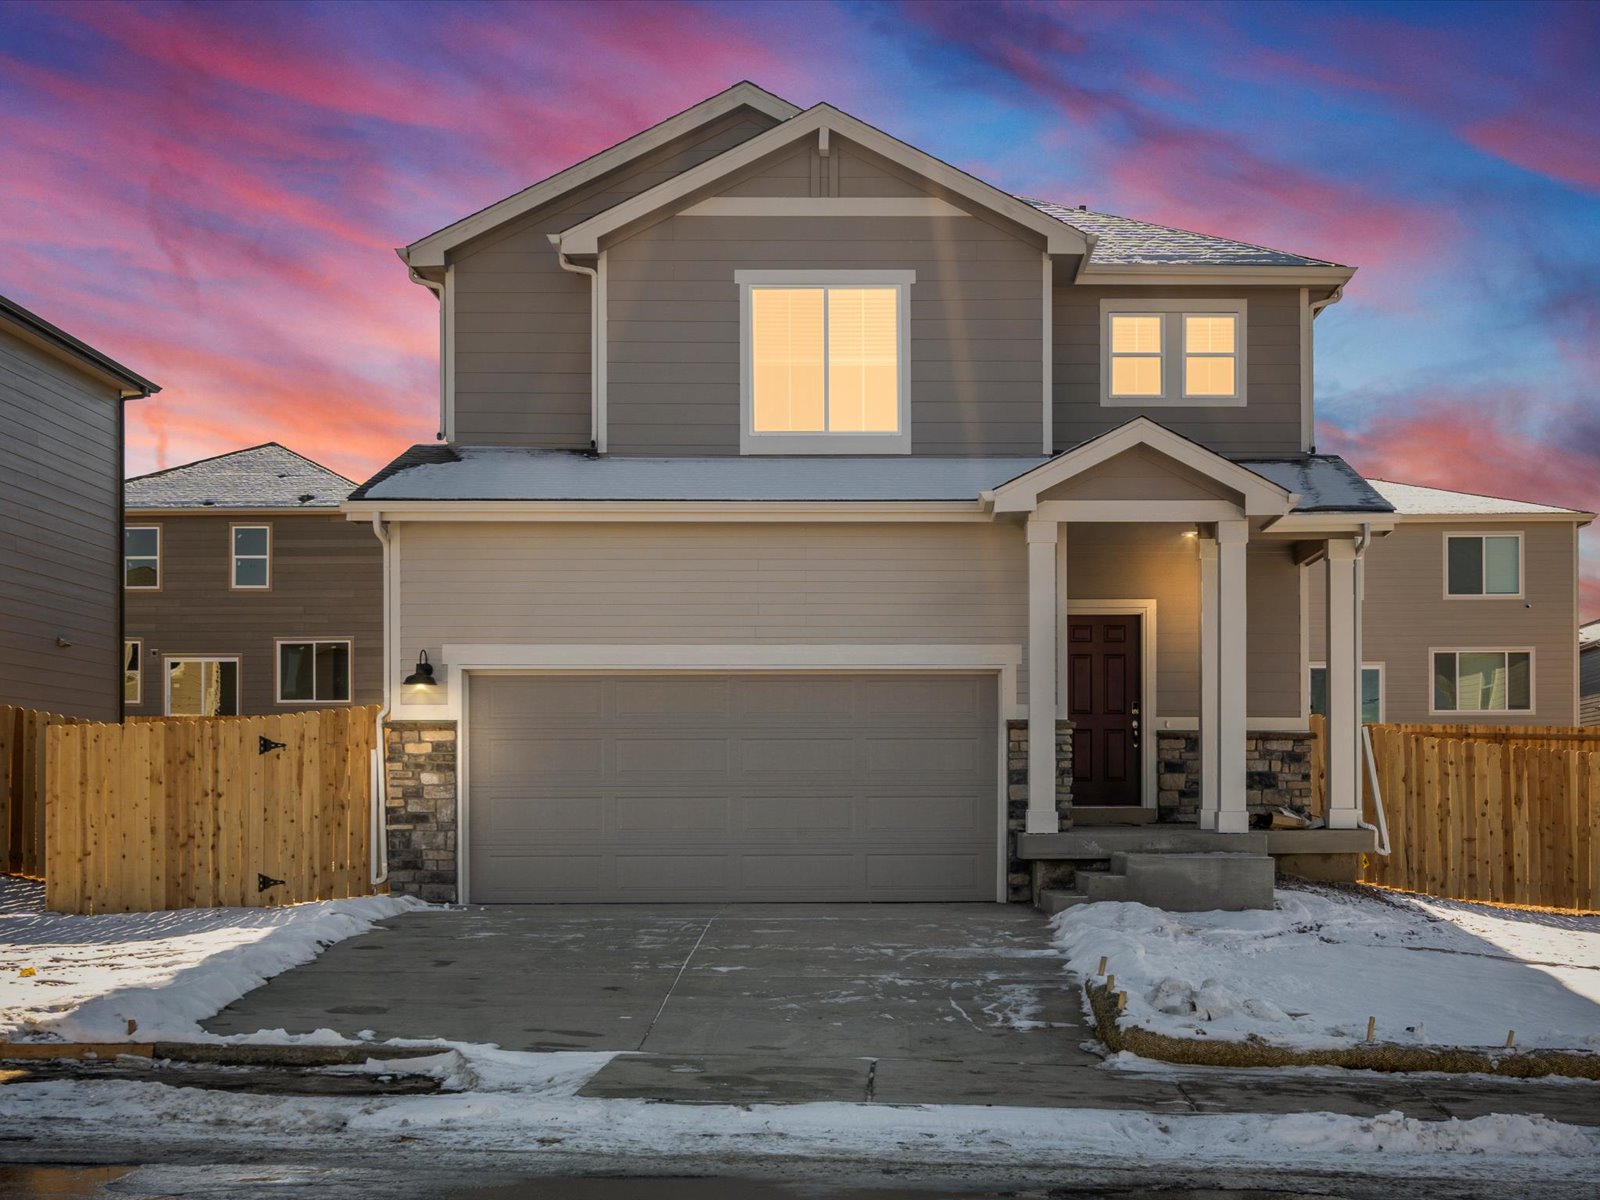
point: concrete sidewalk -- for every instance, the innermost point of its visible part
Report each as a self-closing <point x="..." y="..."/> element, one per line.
<point x="898" y="1004"/>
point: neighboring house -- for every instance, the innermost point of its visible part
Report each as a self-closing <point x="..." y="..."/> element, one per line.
<point x="818" y="522"/>
<point x="247" y="590"/>
<point x="1468" y="607"/>
<point x="60" y="518"/>
<point x="1589" y="673"/>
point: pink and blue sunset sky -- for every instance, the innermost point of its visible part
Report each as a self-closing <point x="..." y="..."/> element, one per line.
<point x="212" y="192"/>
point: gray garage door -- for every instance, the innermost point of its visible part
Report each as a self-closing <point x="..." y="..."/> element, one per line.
<point x="732" y="787"/>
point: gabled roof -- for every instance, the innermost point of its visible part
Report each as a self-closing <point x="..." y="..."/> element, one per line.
<point x="1123" y="241"/>
<point x="430" y="250"/>
<point x="261" y="477"/>
<point x="36" y="328"/>
<point x="1060" y="238"/>
<point x="1410" y="499"/>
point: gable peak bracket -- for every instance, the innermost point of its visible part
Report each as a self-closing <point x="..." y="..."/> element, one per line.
<point x="822" y="140"/>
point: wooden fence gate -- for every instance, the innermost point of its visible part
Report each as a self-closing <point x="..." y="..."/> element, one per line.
<point x="181" y="813"/>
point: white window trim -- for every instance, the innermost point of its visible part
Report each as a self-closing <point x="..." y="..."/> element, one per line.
<point x="1522" y="585"/>
<point x="126" y="586"/>
<point x="1533" y="680"/>
<point x="1172" y="374"/>
<point x="166" y="677"/>
<point x="138" y="671"/>
<point x="1383" y="685"/>
<point x="277" y="668"/>
<point x="751" y="442"/>
<point x="234" y="559"/>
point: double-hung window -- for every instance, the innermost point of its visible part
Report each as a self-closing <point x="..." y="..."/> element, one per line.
<point x="251" y="557"/>
<point x="1172" y="353"/>
<point x="823" y="359"/>
<point x="314" y="672"/>
<point x="1482" y="681"/>
<point x="141" y="558"/>
<point x="1483" y="564"/>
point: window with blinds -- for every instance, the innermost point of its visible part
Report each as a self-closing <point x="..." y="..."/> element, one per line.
<point x="1173" y="353"/>
<point x="825" y="360"/>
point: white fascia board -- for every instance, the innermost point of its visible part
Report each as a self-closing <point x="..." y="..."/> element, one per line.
<point x="670" y="511"/>
<point x="1468" y="518"/>
<point x="584" y="237"/>
<point x="431" y="250"/>
<point x="1210" y="275"/>
<point x="1262" y="497"/>
<point x="1347" y="524"/>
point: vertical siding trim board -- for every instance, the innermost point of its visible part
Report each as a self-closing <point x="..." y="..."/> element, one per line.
<point x="447" y="359"/>
<point x="1308" y="431"/>
<point x="1048" y="363"/>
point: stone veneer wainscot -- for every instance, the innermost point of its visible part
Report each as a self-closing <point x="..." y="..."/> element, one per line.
<point x="420" y="761"/>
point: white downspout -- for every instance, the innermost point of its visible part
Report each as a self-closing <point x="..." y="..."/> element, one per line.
<point x="380" y="772"/>
<point x="594" y="336"/>
<point x="1365" y="749"/>
<point x="438" y="291"/>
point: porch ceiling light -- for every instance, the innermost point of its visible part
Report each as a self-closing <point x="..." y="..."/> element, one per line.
<point x="423" y="675"/>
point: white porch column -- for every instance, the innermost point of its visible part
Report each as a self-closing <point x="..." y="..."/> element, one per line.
<point x="1343" y="778"/>
<point x="1042" y="614"/>
<point x="1223" y="701"/>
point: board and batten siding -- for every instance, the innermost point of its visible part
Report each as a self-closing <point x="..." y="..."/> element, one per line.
<point x="521" y="354"/>
<point x="976" y="313"/>
<point x="59" y="536"/>
<point x="327" y="584"/>
<point x="1269" y="422"/>
<point x="1405" y="613"/>
<point x="940" y="584"/>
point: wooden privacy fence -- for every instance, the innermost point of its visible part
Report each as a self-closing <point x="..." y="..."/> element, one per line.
<point x="22" y="775"/>
<point x="182" y="813"/>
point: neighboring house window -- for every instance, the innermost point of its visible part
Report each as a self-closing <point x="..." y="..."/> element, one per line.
<point x="1482" y="681"/>
<point x="314" y="672"/>
<point x="1371" y="692"/>
<point x="1173" y="353"/>
<point x="132" y="672"/>
<point x="1483" y="564"/>
<point x="824" y="362"/>
<point x="252" y="556"/>
<point x="141" y="557"/>
<point x="202" y="687"/>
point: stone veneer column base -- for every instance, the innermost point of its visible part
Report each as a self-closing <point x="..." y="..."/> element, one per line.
<point x="1019" y="880"/>
<point x="1277" y="772"/>
<point x="420" y="766"/>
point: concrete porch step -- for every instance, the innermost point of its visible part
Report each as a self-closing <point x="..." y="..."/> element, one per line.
<point x="1177" y="882"/>
<point x="1054" y="900"/>
<point x="1104" y="885"/>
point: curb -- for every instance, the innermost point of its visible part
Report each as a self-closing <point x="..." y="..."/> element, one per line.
<point x="1382" y="1056"/>
<point x="214" y="1054"/>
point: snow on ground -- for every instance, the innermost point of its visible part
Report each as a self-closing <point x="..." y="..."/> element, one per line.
<point x="166" y="971"/>
<point x="527" y="1104"/>
<point x="1311" y="972"/>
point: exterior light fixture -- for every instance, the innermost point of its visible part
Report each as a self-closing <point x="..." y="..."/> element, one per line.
<point x="423" y="675"/>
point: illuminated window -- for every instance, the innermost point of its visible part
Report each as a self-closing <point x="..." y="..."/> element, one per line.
<point x="1483" y="564"/>
<point x="825" y="362"/>
<point x="1482" y="681"/>
<point x="132" y="672"/>
<point x="1173" y="353"/>
<point x="202" y="687"/>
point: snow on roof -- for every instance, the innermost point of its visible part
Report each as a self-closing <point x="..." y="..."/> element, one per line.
<point x="1589" y="634"/>
<point x="265" y="476"/>
<point x="1126" y="241"/>
<point x="1325" y="483"/>
<point x="1410" y="499"/>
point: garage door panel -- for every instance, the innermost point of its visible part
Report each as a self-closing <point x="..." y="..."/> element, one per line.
<point x="753" y="787"/>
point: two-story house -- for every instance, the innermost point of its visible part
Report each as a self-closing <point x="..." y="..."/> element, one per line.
<point x="247" y="592"/>
<point x="61" y="404"/>
<point x="815" y="521"/>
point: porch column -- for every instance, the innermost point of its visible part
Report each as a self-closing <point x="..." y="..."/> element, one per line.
<point x="1042" y="614"/>
<point x="1343" y="778"/>
<point x="1223" y="702"/>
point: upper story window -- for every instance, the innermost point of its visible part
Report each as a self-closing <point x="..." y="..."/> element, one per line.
<point x="141" y="557"/>
<point x="251" y="559"/>
<point x="1483" y="564"/>
<point x="823" y="359"/>
<point x="1172" y="353"/>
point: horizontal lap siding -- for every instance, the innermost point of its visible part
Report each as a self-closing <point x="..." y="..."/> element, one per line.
<point x="1405" y="613"/>
<point x="522" y="323"/>
<point x="327" y="582"/>
<point x="673" y="326"/>
<point x="1268" y="424"/>
<point x="58" y="535"/>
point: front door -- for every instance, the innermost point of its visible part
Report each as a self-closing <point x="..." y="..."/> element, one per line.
<point x="1103" y="702"/>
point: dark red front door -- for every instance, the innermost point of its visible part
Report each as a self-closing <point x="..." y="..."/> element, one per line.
<point x="1103" y="701"/>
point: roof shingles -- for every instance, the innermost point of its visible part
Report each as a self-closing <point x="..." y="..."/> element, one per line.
<point x="1123" y="241"/>
<point x="266" y="476"/>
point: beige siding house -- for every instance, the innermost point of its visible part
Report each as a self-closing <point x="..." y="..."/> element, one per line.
<point x="814" y="521"/>
<point x="60" y="524"/>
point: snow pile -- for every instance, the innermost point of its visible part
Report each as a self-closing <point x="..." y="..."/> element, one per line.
<point x="1310" y="973"/>
<point x="84" y="979"/>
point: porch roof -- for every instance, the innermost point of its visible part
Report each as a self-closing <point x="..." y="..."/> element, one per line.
<point x="487" y="474"/>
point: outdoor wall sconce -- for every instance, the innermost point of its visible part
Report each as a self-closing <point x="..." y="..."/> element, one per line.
<point x="423" y="675"/>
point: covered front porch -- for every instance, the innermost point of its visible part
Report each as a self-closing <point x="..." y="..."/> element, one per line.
<point x="1134" y="741"/>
